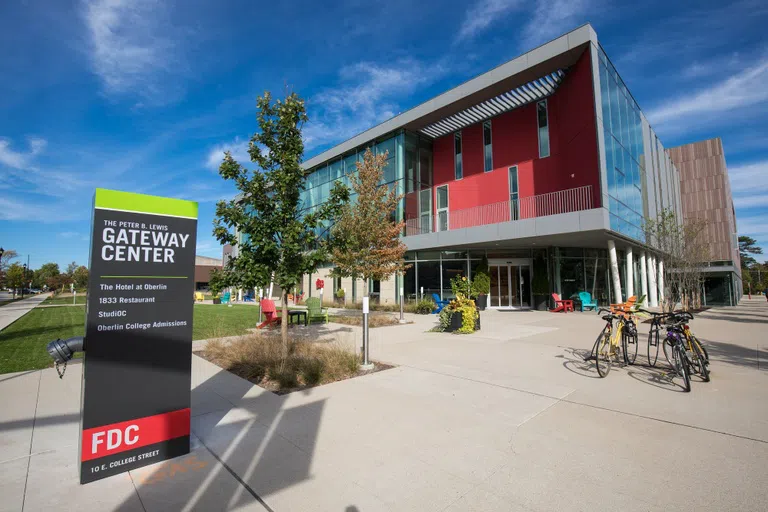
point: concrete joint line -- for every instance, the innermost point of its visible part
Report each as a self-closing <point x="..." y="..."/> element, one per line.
<point x="31" y="439"/>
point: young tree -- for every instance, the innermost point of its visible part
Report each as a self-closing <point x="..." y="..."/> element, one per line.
<point x="684" y="252"/>
<point x="277" y="239"/>
<point x="366" y="239"/>
<point x="45" y="274"/>
<point x="71" y="269"/>
<point x="80" y="277"/>
<point x="5" y="262"/>
<point x="14" y="277"/>
<point x="747" y="247"/>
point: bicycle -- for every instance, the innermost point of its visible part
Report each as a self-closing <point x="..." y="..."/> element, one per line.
<point x="609" y="343"/>
<point x="680" y="360"/>
<point x="696" y="353"/>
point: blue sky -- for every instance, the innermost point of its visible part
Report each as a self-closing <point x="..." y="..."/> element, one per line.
<point x="144" y="95"/>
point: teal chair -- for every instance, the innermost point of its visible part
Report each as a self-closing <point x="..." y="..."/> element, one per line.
<point x="587" y="301"/>
<point x="315" y="310"/>
<point x="225" y="298"/>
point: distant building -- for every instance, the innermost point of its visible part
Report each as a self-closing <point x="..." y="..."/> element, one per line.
<point x="203" y="267"/>
<point x="706" y="194"/>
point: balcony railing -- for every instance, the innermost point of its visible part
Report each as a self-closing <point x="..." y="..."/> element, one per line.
<point x="542" y="205"/>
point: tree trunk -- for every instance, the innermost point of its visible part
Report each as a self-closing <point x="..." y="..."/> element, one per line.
<point x="284" y="326"/>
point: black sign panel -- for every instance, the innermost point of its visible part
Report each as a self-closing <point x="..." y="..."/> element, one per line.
<point x="138" y="340"/>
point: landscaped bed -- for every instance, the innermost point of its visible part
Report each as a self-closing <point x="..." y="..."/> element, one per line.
<point x="258" y="359"/>
<point x="374" y="320"/>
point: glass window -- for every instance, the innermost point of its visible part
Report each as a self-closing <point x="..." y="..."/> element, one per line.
<point x="442" y="207"/>
<point x="458" y="171"/>
<point x="335" y="170"/>
<point x="452" y="269"/>
<point x="513" y="194"/>
<point x="388" y="146"/>
<point x="322" y="175"/>
<point x="350" y="163"/>
<point x="429" y="277"/>
<point x="487" y="152"/>
<point x="543" y="122"/>
<point x="411" y="162"/>
<point x="425" y="210"/>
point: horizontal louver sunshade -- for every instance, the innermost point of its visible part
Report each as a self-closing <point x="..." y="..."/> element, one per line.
<point x="534" y="90"/>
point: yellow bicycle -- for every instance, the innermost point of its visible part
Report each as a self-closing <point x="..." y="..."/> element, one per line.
<point x="610" y="344"/>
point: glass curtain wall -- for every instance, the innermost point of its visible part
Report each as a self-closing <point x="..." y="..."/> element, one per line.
<point x="321" y="179"/>
<point x="624" y="152"/>
<point x="417" y="209"/>
<point x="582" y="270"/>
<point x="433" y="271"/>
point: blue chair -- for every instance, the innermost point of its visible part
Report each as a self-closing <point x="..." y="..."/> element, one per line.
<point x="439" y="304"/>
<point x="587" y="301"/>
<point x="248" y="297"/>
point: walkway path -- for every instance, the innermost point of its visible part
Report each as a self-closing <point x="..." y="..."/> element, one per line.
<point x="508" y="419"/>
<point x="15" y="310"/>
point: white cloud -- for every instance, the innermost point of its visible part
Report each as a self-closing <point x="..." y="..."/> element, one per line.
<point x="237" y="147"/>
<point x="482" y="14"/>
<point x="552" y="18"/>
<point x="20" y="159"/>
<point x="74" y="235"/>
<point x="745" y="89"/>
<point x="368" y="95"/>
<point x="131" y="49"/>
<point x="749" y="178"/>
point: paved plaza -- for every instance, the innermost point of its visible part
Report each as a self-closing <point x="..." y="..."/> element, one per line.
<point x="507" y="419"/>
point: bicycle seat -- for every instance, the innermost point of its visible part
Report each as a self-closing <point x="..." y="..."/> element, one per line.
<point x="607" y="317"/>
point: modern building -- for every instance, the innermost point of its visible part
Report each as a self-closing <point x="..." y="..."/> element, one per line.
<point x="706" y="194"/>
<point x="544" y="165"/>
<point x="203" y="268"/>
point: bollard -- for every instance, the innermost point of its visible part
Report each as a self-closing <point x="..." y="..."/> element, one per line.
<point x="402" y="306"/>
<point x="367" y="365"/>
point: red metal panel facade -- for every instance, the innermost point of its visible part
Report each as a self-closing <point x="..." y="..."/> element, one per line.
<point x="573" y="160"/>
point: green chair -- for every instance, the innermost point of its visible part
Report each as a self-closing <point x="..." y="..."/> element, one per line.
<point x="315" y="310"/>
<point x="639" y="304"/>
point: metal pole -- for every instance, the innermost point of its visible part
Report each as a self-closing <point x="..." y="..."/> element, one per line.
<point x="402" y="315"/>
<point x="367" y="365"/>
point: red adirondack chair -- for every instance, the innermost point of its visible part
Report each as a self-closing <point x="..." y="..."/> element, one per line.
<point x="561" y="305"/>
<point x="269" y="311"/>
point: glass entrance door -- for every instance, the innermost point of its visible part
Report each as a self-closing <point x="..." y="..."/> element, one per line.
<point x="510" y="286"/>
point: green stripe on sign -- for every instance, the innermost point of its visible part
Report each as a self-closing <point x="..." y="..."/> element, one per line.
<point x="142" y="203"/>
<point x="144" y="277"/>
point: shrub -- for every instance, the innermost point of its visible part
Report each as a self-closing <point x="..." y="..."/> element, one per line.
<point x="465" y="306"/>
<point x="481" y="284"/>
<point x="424" y="306"/>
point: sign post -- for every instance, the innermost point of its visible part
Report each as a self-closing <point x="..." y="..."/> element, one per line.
<point x="138" y="337"/>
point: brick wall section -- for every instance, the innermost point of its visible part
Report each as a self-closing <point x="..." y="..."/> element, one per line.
<point x="706" y="193"/>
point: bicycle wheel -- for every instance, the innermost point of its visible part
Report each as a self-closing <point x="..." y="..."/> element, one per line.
<point x="681" y="363"/>
<point x="629" y="345"/>
<point x="695" y="341"/>
<point x="666" y="345"/>
<point x="700" y="360"/>
<point x="653" y="347"/>
<point x="603" y="353"/>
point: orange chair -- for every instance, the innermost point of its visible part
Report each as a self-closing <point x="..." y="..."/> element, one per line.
<point x="269" y="311"/>
<point x="561" y="305"/>
<point x="624" y="307"/>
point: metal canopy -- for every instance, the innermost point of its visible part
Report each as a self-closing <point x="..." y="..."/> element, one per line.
<point x="531" y="92"/>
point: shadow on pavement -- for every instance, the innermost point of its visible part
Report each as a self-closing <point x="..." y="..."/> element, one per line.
<point x="737" y="355"/>
<point x="241" y="456"/>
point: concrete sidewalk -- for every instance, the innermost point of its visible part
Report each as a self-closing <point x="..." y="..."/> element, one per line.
<point x="508" y="419"/>
<point x="15" y="310"/>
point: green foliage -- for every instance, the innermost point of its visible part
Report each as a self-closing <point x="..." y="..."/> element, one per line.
<point x="14" y="276"/>
<point x="425" y="306"/>
<point x="748" y="246"/>
<point x="465" y="306"/>
<point x="218" y="281"/>
<point x="481" y="284"/>
<point x="80" y="277"/>
<point x="276" y="238"/>
<point x="461" y="285"/>
<point x="339" y="293"/>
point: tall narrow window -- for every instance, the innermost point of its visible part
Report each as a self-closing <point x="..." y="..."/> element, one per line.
<point x="514" y="203"/>
<point x="425" y="211"/>
<point x="487" y="153"/>
<point x="442" y="207"/>
<point x="459" y="171"/>
<point x="541" y="114"/>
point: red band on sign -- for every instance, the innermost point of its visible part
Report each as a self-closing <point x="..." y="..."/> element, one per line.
<point x="129" y="435"/>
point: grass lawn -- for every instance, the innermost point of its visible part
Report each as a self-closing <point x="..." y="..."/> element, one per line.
<point x="22" y="344"/>
<point x="51" y="301"/>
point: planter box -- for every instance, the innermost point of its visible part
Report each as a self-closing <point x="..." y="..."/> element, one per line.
<point x="217" y="301"/>
<point x="482" y="302"/>
<point x="541" y="302"/>
<point x="457" y="320"/>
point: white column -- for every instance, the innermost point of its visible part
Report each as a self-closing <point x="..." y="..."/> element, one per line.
<point x="652" y="296"/>
<point x="630" y="273"/>
<point x="614" y="272"/>
<point x="660" y="272"/>
<point x="643" y="276"/>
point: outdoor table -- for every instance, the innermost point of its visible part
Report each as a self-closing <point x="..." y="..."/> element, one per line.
<point x="297" y="313"/>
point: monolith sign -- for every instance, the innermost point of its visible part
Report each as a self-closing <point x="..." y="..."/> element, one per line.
<point x="138" y="338"/>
